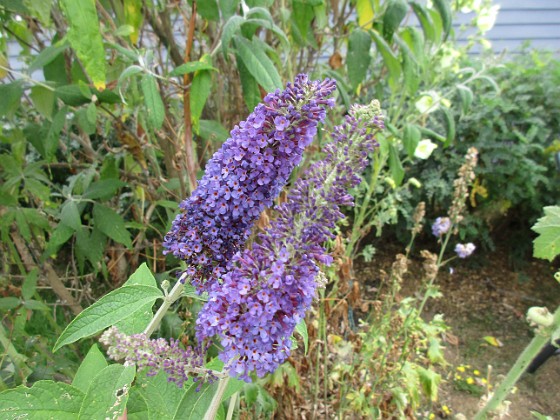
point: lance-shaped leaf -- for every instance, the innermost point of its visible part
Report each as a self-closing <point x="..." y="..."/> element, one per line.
<point x="85" y="38"/>
<point x="258" y="64"/>
<point x="111" y="224"/>
<point x="44" y="400"/>
<point x="110" y="309"/>
<point x="153" y="102"/>
<point x="358" y="58"/>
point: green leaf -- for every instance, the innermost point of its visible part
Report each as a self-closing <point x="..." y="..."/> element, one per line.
<point x="395" y="165"/>
<point x="85" y="38"/>
<point x="71" y="95"/>
<point x="162" y="397"/>
<point x="191" y="67"/>
<point x="228" y="8"/>
<point x="466" y="95"/>
<point x="393" y="16"/>
<point x="425" y="21"/>
<point x="365" y="13"/>
<point x="47" y="56"/>
<point x="59" y="236"/>
<point x="93" y="363"/>
<point x="9" y="303"/>
<point x="250" y="87"/>
<point x="35" y="305"/>
<point x="110" y="309"/>
<point x="51" y="143"/>
<point x="208" y="9"/>
<point x="230" y="29"/>
<point x="301" y="329"/>
<point x="107" y="394"/>
<point x="70" y="215"/>
<point x="411" y="71"/>
<point x="444" y="9"/>
<point x="258" y="64"/>
<point x="152" y="100"/>
<point x="358" y="58"/>
<point x="11" y="95"/>
<point x="194" y="404"/>
<point x="139" y="319"/>
<point x="212" y="130"/>
<point x="137" y="406"/>
<point x="103" y="189"/>
<point x="29" y="284"/>
<point x="111" y="224"/>
<point x="90" y="246"/>
<point x="44" y="400"/>
<point x="133" y="17"/>
<point x="430" y="381"/>
<point x="411" y="138"/>
<point x="415" y="41"/>
<point x="547" y="244"/>
<point x="389" y="59"/>
<point x="302" y="18"/>
<point x="200" y="90"/>
<point x="449" y="126"/>
<point x="43" y="100"/>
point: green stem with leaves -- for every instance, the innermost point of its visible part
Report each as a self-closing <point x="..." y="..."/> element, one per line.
<point x="169" y="299"/>
<point x="531" y="351"/>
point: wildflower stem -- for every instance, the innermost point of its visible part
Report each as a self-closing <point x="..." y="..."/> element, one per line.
<point x="167" y="302"/>
<point x="216" y="400"/>
<point x="520" y="366"/>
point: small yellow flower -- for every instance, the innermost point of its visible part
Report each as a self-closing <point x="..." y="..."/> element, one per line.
<point x="470" y="380"/>
<point x="446" y="410"/>
<point x="476" y="372"/>
<point x="514" y="390"/>
<point x="458" y="377"/>
<point x="461" y="368"/>
<point x="432" y="416"/>
<point x="484" y="381"/>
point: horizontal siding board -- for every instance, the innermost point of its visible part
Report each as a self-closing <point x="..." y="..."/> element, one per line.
<point x="528" y="4"/>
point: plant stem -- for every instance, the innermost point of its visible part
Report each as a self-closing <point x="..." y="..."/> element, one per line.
<point x="231" y="408"/>
<point x="530" y="352"/>
<point x="168" y="301"/>
<point x="216" y="400"/>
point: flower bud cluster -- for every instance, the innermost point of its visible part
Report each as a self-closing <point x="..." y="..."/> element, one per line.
<point x="465" y="177"/>
<point x="244" y="177"/>
<point x="268" y="288"/>
<point x="157" y="355"/>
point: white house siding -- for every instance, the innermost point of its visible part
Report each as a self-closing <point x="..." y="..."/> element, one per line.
<point x="518" y="21"/>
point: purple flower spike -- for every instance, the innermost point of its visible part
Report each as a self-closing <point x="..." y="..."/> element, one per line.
<point x="464" y="250"/>
<point x="269" y="288"/>
<point x="245" y="176"/>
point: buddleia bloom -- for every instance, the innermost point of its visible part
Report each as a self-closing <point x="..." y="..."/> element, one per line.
<point x="245" y="176"/>
<point x="157" y="355"/>
<point x="269" y="287"/>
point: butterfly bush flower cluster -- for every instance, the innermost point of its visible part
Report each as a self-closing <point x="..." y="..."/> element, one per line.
<point x="461" y="184"/>
<point x="157" y="355"/>
<point x="244" y="177"/>
<point x="441" y="226"/>
<point x="464" y="250"/>
<point x="269" y="287"/>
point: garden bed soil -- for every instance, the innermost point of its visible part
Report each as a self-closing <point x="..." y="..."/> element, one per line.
<point x="485" y="297"/>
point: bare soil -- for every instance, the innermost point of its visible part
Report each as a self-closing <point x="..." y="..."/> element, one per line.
<point x="485" y="297"/>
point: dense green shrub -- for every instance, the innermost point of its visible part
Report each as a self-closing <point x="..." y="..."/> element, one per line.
<point x="516" y="129"/>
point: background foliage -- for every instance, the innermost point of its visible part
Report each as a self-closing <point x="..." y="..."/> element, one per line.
<point x="113" y="107"/>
